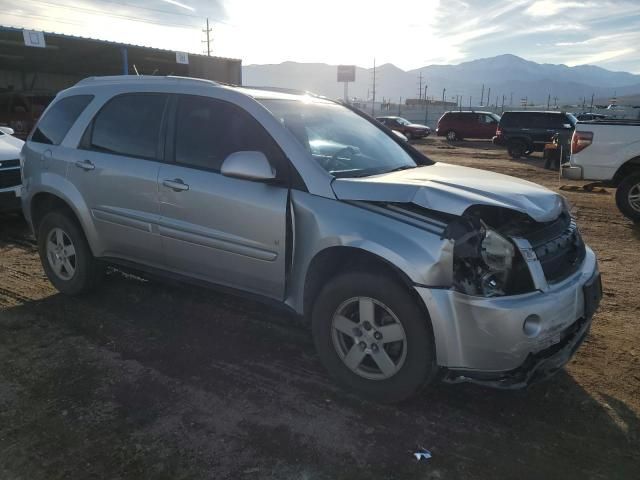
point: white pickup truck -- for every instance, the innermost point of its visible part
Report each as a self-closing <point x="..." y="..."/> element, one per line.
<point x="608" y="152"/>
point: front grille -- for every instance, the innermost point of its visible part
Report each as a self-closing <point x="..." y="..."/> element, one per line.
<point x="10" y="178"/>
<point x="562" y="254"/>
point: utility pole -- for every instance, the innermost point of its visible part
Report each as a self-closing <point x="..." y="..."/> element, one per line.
<point x="591" y="107"/>
<point x="373" y="102"/>
<point x="548" y="101"/>
<point x="420" y="86"/>
<point x="489" y="98"/>
<point x="443" y="90"/>
<point x="511" y="100"/>
<point x="399" y="104"/>
<point x="503" y="103"/>
<point x="208" y="40"/>
<point x="555" y="102"/>
<point x="426" y="105"/>
<point x="469" y="102"/>
<point x="482" y="95"/>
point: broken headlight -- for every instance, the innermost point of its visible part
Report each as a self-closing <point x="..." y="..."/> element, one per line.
<point x="482" y="259"/>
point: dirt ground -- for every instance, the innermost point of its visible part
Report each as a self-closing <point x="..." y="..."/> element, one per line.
<point x="145" y="379"/>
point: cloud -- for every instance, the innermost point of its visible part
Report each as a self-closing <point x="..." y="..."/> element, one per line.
<point x="601" y="57"/>
<point x="548" y="8"/>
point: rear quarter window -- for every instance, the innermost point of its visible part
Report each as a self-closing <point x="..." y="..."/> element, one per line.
<point x="56" y="123"/>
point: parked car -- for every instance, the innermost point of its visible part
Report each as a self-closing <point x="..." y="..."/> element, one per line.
<point x="21" y="110"/>
<point x="524" y="132"/>
<point x="403" y="267"/>
<point x="9" y="170"/>
<point x="608" y="152"/>
<point x="405" y="127"/>
<point x="588" y="116"/>
<point x="467" y="124"/>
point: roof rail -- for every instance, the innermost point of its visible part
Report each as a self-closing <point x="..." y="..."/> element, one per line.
<point x="141" y="78"/>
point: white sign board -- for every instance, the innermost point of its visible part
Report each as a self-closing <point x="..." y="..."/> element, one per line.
<point x="182" y="57"/>
<point x="33" y="38"/>
<point x="346" y="73"/>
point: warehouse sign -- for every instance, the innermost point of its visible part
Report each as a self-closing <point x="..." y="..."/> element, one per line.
<point x="182" y="57"/>
<point x="346" y="73"/>
<point x="33" y="38"/>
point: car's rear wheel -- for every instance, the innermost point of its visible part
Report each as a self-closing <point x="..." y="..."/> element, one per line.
<point x="65" y="254"/>
<point x="372" y="337"/>
<point x="452" y="136"/>
<point x="517" y="148"/>
<point x="628" y="197"/>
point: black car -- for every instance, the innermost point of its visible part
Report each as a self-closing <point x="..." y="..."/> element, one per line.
<point x="525" y="132"/>
<point x="588" y="117"/>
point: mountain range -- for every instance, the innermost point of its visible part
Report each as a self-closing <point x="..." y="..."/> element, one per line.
<point x="504" y="74"/>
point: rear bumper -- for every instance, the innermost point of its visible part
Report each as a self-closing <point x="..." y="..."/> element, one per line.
<point x="572" y="172"/>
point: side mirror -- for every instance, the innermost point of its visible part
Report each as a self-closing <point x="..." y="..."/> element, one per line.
<point x="7" y="130"/>
<point x="248" y="166"/>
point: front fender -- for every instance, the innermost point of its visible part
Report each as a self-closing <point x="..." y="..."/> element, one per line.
<point x="319" y="223"/>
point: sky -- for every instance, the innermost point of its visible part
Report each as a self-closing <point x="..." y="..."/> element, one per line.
<point x="410" y="34"/>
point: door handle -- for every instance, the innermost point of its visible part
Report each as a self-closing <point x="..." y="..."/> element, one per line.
<point x="85" y="165"/>
<point x="177" y="185"/>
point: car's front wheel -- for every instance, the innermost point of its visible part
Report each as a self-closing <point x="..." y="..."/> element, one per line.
<point x="628" y="197"/>
<point x="517" y="148"/>
<point x="65" y="254"/>
<point x="452" y="136"/>
<point x="372" y="337"/>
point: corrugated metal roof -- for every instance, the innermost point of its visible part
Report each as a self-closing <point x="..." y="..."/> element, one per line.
<point x="109" y="42"/>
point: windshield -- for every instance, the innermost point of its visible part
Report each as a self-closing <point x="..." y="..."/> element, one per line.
<point x="342" y="142"/>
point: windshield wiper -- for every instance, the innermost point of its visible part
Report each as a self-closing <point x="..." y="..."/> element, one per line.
<point x="403" y="167"/>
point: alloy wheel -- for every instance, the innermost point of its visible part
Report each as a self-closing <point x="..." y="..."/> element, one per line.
<point x="61" y="254"/>
<point x="369" y="338"/>
<point x="634" y="197"/>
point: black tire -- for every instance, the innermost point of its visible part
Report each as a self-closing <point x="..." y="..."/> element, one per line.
<point x="516" y="148"/>
<point x="630" y="185"/>
<point x="87" y="270"/>
<point x="418" y="367"/>
<point x="452" y="136"/>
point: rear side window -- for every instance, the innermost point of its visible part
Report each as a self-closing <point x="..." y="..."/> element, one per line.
<point x="129" y="125"/>
<point x="209" y="130"/>
<point x="55" y="124"/>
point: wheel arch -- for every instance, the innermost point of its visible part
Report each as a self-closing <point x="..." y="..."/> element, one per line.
<point x="334" y="260"/>
<point x="626" y="169"/>
<point x="46" y="201"/>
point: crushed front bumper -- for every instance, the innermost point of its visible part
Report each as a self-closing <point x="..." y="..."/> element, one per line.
<point x="485" y="339"/>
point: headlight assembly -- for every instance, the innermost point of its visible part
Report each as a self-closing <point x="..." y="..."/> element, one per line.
<point x="483" y="259"/>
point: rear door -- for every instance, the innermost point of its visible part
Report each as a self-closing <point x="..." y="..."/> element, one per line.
<point x="116" y="171"/>
<point x="219" y="229"/>
<point x="486" y="126"/>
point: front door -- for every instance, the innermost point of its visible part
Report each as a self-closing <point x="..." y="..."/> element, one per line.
<point x="116" y="170"/>
<point x="223" y="230"/>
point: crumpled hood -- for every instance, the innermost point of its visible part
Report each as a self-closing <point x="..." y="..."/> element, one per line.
<point x="452" y="189"/>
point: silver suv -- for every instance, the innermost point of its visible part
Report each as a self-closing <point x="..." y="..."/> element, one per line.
<point x="404" y="267"/>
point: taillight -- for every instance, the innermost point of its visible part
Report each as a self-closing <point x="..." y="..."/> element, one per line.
<point x="580" y="141"/>
<point x="498" y="132"/>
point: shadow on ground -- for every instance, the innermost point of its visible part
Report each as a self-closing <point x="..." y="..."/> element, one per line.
<point x="151" y="380"/>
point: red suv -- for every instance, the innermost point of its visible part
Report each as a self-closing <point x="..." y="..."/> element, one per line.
<point x="459" y="125"/>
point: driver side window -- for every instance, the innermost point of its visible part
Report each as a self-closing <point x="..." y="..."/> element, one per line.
<point x="208" y="130"/>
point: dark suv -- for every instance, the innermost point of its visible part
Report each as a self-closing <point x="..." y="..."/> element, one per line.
<point x="459" y="125"/>
<point x="525" y="132"/>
